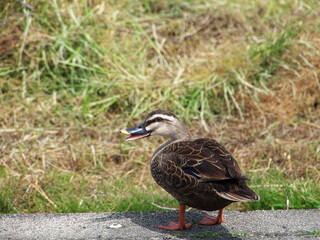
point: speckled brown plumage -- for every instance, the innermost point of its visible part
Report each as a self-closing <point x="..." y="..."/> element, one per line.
<point x="199" y="173"/>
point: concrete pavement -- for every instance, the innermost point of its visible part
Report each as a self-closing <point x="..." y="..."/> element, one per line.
<point x="281" y="224"/>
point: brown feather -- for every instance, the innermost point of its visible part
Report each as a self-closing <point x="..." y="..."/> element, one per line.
<point x="208" y="158"/>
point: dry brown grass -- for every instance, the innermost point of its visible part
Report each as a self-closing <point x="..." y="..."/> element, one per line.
<point x="286" y="122"/>
<point x="296" y="94"/>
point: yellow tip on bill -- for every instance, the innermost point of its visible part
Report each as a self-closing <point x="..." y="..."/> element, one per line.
<point x="124" y="131"/>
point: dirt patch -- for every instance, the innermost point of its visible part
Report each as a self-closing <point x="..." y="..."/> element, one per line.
<point x="10" y="39"/>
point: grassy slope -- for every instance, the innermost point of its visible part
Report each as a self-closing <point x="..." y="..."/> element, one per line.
<point x="73" y="74"/>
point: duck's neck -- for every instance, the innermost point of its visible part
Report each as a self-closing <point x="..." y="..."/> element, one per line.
<point x="181" y="134"/>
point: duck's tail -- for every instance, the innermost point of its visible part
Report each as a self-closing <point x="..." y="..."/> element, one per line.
<point x="240" y="193"/>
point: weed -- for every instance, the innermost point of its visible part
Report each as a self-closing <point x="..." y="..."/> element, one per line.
<point x="238" y="234"/>
<point x="205" y="235"/>
<point x="179" y="235"/>
<point x="315" y="233"/>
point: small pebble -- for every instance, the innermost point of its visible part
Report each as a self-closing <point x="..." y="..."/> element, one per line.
<point x="115" y="225"/>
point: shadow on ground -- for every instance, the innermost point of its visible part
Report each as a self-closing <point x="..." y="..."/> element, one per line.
<point x="153" y="219"/>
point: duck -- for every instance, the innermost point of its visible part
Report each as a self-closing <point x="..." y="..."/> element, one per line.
<point x="199" y="173"/>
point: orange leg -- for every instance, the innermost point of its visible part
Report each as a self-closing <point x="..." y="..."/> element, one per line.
<point x="180" y="225"/>
<point x="206" y="220"/>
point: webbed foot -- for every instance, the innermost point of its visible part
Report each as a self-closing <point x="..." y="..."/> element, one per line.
<point x="176" y="226"/>
<point x="206" y="220"/>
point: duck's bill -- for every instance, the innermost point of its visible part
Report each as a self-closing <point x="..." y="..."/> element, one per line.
<point x="136" y="133"/>
<point x="136" y="137"/>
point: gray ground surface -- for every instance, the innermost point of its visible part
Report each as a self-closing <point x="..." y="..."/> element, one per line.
<point x="291" y="224"/>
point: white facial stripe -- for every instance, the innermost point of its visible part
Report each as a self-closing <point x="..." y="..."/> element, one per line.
<point x="166" y="117"/>
<point x="152" y="126"/>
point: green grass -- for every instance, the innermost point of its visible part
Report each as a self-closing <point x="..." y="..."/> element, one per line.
<point x="278" y="191"/>
<point x="68" y="193"/>
<point x="73" y="73"/>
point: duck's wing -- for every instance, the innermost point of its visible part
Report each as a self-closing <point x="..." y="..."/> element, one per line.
<point x="205" y="159"/>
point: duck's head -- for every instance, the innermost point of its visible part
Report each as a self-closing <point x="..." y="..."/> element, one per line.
<point x="161" y="123"/>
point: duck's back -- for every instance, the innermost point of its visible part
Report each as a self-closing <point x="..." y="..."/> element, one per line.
<point x="201" y="174"/>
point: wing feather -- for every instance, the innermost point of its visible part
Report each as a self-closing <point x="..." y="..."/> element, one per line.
<point x="207" y="159"/>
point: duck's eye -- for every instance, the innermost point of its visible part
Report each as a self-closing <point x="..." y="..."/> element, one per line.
<point x="141" y="126"/>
